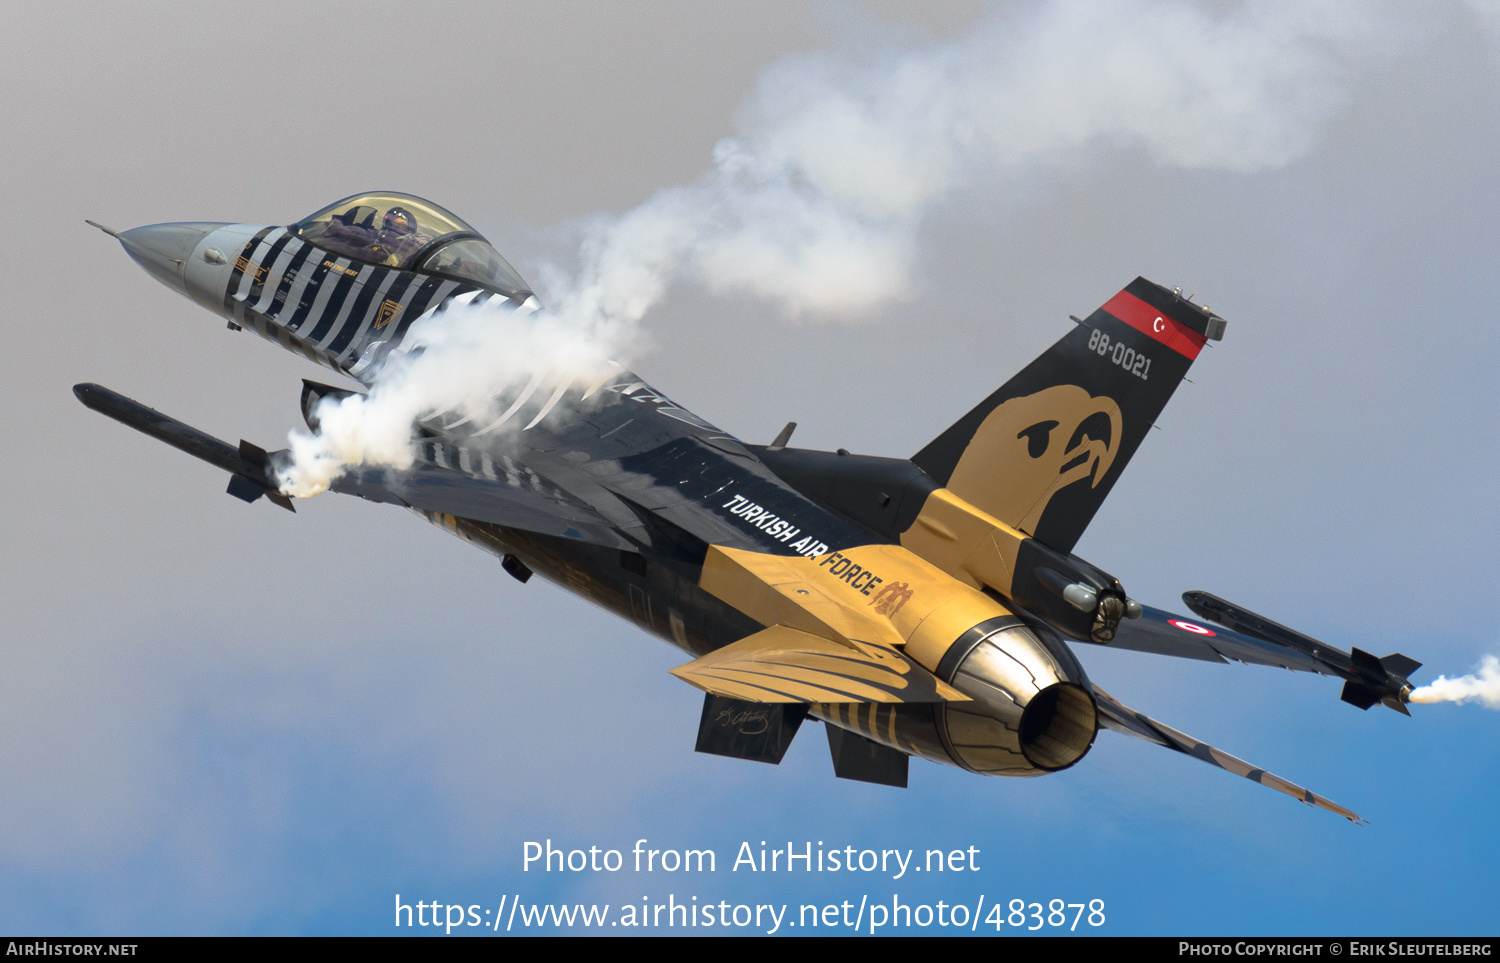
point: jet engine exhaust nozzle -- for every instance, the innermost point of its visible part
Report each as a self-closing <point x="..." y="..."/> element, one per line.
<point x="1032" y="711"/>
<point x="1058" y="726"/>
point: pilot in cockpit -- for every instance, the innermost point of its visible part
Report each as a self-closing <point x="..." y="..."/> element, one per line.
<point x="354" y="234"/>
<point x="399" y="237"/>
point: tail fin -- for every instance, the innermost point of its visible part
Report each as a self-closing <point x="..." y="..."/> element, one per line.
<point x="1042" y="453"/>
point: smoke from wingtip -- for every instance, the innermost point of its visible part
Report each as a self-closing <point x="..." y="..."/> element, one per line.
<point x="817" y="204"/>
<point x="1482" y="686"/>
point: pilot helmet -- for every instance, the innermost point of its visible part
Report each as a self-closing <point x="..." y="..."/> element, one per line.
<point x="398" y="220"/>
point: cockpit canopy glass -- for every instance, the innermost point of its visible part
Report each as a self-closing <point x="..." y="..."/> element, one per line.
<point x="409" y="233"/>
<point x="472" y="259"/>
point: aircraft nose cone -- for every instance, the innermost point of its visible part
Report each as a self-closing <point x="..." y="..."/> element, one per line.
<point x="163" y="249"/>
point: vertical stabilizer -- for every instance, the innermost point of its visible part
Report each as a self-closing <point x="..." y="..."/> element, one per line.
<point x="1042" y="453"/>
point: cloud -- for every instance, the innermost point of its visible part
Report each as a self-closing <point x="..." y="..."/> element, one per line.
<point x="817" y="204"/>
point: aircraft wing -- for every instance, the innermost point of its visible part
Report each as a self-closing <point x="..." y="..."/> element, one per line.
<point x="1114" y="715"/>
<point x="1241" y="635"/>
<point x="1164" y="633"/>
<point x="782" y="664"/>
<point x="532" y="508"/>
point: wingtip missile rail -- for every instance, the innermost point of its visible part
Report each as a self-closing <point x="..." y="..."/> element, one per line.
<point x="1368" y="679"/>
<point x="251" y="468"/>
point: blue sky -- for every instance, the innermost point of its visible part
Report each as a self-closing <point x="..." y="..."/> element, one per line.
<point x="220" y="718"/>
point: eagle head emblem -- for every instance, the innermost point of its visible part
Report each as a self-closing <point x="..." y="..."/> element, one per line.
<point x="1031" y="447"/>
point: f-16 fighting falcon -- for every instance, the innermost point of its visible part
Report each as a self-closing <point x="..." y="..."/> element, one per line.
<point x="923" y="606"/>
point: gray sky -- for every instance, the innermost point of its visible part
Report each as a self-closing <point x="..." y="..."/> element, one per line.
<point x="224" y="718"/>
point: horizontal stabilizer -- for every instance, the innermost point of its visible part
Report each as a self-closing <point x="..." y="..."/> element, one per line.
<point x="781" y="664"/>
<point x="1120" y="718"/>
<point x="748" y="730"/>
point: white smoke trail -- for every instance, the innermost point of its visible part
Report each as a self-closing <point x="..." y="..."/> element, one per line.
<point x="467" y="360"/>
<point x="816" y="206"/>
<point x="1481" y="686"/>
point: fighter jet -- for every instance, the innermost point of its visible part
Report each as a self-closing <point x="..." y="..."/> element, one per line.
<point x="924" y="606"/>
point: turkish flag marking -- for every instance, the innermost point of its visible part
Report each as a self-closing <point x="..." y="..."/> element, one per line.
<point x="1153" y="323"/>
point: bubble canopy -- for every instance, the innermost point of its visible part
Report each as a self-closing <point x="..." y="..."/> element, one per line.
<point x="409" y="233"/>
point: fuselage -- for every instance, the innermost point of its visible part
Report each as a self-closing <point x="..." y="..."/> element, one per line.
<point x="677" y="488"/>
<point x="917" y="606"/>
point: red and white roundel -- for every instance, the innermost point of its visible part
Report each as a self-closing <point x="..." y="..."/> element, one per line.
<point x="1190" y="627"/>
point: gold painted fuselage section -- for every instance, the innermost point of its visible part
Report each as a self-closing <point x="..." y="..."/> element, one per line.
<point x="1025" y="707"/>
<point x="1018" y="705"/>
